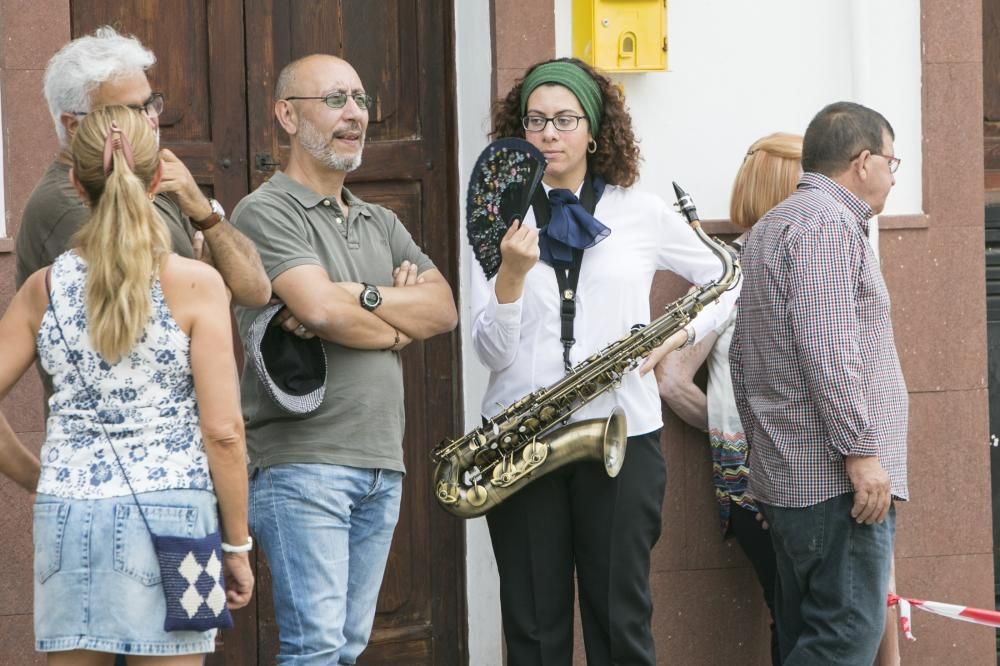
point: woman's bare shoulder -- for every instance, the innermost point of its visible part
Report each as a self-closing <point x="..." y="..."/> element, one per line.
<point x="178" y="272"/>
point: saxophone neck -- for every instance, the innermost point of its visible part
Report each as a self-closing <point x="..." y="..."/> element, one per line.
<point x="685" y="204"/>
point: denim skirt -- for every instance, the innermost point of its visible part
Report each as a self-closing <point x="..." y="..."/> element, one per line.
<point x="97" y="579"/>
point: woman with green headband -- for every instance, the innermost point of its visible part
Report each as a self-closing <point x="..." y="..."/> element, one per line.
<point x="600" y="242"/>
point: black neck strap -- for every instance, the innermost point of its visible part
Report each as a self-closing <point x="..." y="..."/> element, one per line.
<point x="566" y="278"/>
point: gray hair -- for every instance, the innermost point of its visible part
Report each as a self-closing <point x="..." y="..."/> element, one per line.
<point x="75" y="72"/>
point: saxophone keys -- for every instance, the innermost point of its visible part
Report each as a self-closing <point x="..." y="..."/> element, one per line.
<point x="476" y="495"/>
<point x="447" y="493"/>
<point x="535" y="453"/>
<point x="505" y="473"/>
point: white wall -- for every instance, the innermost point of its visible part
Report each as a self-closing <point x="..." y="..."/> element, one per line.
<point x="474" y="64"/>
<point x="740" y="70"/>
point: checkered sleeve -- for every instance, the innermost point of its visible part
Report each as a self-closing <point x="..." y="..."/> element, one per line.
<point x="823" y="269"/>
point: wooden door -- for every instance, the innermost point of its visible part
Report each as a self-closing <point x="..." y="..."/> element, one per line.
<point x="402" y="51"/>
<point x="217" y="61"/>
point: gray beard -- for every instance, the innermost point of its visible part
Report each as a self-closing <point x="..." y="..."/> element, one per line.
<point x="318" y="146"/>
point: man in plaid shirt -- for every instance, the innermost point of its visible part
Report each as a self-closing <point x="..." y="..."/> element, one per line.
<point x="821" y="394"/>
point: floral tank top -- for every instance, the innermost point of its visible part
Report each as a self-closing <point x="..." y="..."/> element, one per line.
<point x="145" y="401"/>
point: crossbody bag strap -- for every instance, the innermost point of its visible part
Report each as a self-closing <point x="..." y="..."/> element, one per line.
<point x="69" y="356"/>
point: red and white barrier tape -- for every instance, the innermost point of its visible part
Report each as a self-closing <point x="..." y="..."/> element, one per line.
<point x="989" y="618"/>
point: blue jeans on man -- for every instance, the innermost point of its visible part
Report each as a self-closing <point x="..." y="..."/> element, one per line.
<point x="833" y="577"/>
<point x="326" y="531"/>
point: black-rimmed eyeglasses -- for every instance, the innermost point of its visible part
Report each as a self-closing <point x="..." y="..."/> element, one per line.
<point x="561" y="123"/>
<point x="152" y="107"/>
<point x="338" y="99"/>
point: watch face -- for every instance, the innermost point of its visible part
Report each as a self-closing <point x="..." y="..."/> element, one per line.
<point x="217" y="207"/>
<point x="371" y="297"/>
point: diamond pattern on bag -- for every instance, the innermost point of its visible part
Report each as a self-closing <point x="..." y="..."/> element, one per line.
<point x="216" y="599"/>
<point x="214" y="567"/>
<point x="193" y="583"/>
<point x="203" y="585"/>
<point x="191" y="601"/>
<point x="190" y="569"/>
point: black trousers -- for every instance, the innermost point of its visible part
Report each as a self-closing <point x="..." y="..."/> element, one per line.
<point x="579" y="518"/>
<point x="756" y="544"/>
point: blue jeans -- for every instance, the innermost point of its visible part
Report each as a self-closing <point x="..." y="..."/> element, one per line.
<point x="833" y="577"/>
<point x="326" y="531"/>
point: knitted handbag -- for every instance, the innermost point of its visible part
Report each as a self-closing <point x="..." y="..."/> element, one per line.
<point x="191" y="569"/>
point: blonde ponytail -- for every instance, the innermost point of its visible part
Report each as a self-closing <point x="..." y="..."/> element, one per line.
<point x="124" y="239"/>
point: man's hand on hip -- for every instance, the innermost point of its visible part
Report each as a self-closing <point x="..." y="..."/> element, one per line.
<point x="872" y="490"/>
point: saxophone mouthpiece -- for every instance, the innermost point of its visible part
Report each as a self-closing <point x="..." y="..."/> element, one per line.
<point x="685" y="204"/>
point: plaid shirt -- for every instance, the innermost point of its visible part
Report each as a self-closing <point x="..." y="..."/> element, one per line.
<point x="814" y="364"/>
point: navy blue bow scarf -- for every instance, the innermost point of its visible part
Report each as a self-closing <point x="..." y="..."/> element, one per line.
<point x="566" y="223"/>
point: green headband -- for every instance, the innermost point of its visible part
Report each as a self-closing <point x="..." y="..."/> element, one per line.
<point x="579" y="82"/>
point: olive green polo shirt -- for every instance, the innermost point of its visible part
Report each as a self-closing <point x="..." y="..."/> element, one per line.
<point x="360" y="423"/>
<point x="54" y="212"/>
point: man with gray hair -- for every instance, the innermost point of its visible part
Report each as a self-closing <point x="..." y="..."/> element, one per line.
<point x="325" y="485"/>
<point x="105" y="69"/>
<point x="820" y="392"/>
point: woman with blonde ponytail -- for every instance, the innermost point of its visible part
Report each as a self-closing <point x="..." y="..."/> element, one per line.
<point x="124" y="240"/>
<point x="139" y="347"/>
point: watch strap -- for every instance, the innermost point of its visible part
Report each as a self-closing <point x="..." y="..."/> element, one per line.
<point x="207" y="223"/>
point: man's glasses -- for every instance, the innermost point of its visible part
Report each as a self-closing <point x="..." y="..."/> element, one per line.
<point x="561" y="123"/>
<point x="894" y="162"/>
<point x="338" y="99"/>
<point x="152" y="107"/>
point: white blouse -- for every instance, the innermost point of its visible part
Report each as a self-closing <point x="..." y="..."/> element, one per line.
<point x="519" y="342"/>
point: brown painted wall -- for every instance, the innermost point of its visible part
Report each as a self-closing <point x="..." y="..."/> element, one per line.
<point x="937" y="280"/>
<point x="30" y="32"/>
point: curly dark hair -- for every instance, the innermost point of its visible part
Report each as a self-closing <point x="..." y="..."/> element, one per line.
<point x="617" y="157"/>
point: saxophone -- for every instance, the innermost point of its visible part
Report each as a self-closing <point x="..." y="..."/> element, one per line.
<point x="531" y="437"/>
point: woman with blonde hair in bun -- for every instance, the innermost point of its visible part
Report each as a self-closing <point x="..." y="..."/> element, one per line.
<point x="143" y="370"/>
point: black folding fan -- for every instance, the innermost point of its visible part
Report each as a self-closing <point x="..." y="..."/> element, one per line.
<point x="500" y="188"/>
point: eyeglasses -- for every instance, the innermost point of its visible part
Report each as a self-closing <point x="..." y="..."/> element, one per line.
<point x="338" y="99"/>
<point x="152" y="107"/>
<point x="894" y="162"/>
<point x="561" y="123"/>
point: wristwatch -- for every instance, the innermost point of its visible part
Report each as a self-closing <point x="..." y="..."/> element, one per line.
<point x="371" y="297"/>
<point x="218" y="213"/>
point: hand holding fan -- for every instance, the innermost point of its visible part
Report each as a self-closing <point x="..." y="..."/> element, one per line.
<point x="505" y="176"/>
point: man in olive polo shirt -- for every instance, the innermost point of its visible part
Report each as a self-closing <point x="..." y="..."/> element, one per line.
<point x="325" y="486"/>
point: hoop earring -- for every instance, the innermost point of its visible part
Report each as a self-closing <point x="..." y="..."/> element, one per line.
<point x="592" y="146"/>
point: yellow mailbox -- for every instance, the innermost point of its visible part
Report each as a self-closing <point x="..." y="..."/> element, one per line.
<point x="621" y="35"/>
